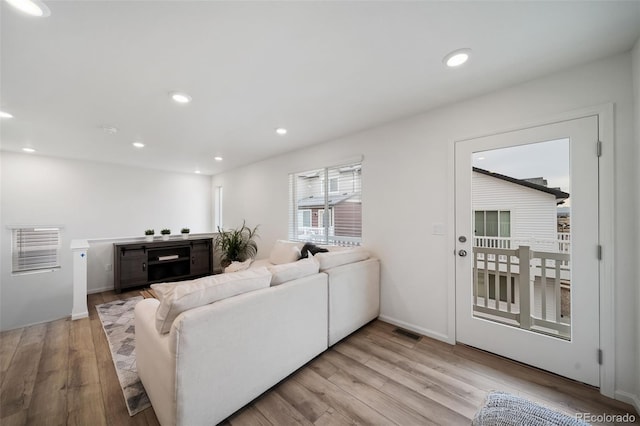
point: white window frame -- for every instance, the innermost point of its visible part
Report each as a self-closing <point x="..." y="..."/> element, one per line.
<point x="218" y="208"/>
<point x="28" y="243"/>
<point x="295" y="217"/>
<point x="484" y="216"/>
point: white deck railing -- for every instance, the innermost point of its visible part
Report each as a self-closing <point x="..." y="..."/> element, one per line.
<point x="560" y="245"/>
<point x="316" y="235"/>
<point x="535" y="302"/>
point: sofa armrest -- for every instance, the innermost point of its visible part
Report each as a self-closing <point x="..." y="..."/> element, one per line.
<point x="354" y="297"/>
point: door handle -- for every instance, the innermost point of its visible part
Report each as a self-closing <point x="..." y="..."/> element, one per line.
<point x="462" y="253"/>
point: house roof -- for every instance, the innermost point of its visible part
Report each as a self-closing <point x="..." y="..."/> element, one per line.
<point x="560" y="195"/>
<point x="319" y="201"/>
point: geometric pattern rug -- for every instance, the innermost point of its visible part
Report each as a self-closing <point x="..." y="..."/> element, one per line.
<point x="118" y="323"/>
<point x="503" y="409"/>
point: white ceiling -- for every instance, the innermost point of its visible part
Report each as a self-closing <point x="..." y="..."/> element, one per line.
<point x="320" y="69"/>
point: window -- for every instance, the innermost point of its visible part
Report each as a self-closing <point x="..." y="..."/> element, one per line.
<point x="218" y="207"/>
<point x="35" y="249"/>
<point x="326" y="205"/>
<point x="492" y="223"/>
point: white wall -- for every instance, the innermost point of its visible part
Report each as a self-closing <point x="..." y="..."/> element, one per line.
<point x="90" y="200"/>
<point x="636" y="119"/>
<point x="406" y="190"/>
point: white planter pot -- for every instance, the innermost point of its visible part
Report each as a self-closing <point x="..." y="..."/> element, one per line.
<point x="148" y="238"/>
<point x="185" y="236"/>
<point x="165" y="237"/>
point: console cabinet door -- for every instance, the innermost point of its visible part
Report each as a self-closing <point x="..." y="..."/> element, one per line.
<point x="133" y="268"/>
<point x="201" y="258"/>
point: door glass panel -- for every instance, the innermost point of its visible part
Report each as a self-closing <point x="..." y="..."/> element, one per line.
<point x="522" y="244"/>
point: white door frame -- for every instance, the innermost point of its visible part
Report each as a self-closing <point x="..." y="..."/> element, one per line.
<point x="605" y="115"/>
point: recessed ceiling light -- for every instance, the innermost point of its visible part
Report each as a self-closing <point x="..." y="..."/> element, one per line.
<point x="180" y="97"/>
<point x="218" y="158"/>
<point x="197" y="172"/>
<point x="480" y="158"/>
<point x="29" y="150"/>
<point x="138" y="144"/>
<point x="457" y="58"/>
<point x="5" y="115"/>
<point x="281" y="131"/>
<point x="31" y="7"/>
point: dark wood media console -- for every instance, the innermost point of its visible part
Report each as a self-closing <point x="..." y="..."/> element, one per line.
<point x="144" y="263"/>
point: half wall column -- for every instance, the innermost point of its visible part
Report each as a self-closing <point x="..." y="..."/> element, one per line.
<point x="79" y="249"/>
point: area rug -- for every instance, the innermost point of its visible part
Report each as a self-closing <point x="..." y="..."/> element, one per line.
<point x="118" y="323"/>
<point x="503" y="409"/>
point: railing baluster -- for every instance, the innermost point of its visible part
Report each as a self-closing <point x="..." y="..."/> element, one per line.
<point x="558" y="292"/>
<point x="496" y="283"/>
<point x="486" y="279"/>
<point x="475" y="276"/>
<point x="508" y="283"/>
<point x="543" y="284"/>
<point x="524" y="285"/>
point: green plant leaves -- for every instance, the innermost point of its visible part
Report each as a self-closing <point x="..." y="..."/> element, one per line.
<point x="237" y="244"/>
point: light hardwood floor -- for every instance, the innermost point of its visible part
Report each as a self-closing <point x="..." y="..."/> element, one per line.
<point x="61" y="373"/>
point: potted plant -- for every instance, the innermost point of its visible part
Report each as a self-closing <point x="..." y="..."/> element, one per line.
<point x="149" y="233"/>
<point x="236" y="244"/>
<point x="165" y="234"/>
<point x="185" y="233"/>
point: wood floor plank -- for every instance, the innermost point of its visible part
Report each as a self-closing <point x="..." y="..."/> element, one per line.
<point x="333" y="418"/>
<point x="249" y="416"/>
<point x="343" y="402"/>
<point x="430" y="390"/>
<point x="16" y="419"/>
<point x="8" y="345"/>
<point x="278" y="411"/>
<point x="49" y="400"/>
<point x="379" y="401"/>
<point x="323" y="367"/>
<point x="359" y="371"/>
<point x="19" y="381"/>
<point x="84" y="402"/>
<point x="436" y="413"/>
<point x="302" y="399"/>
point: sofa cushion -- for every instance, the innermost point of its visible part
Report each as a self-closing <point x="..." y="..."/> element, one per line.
<point x="333" y="259"/>
<point x="238" y="266"/>
<point x="285" y="252"/>
<point x="176" y="298"/>
<point x="293" y="271"/>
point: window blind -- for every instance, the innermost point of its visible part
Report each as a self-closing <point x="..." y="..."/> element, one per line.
<point x="35" y="249"/>
<point x="326" y="205"/>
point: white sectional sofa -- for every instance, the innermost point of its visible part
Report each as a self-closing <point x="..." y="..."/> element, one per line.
<point x="219" y="356"/>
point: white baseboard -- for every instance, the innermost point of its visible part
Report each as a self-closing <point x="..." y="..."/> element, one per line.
<point x="36" y="323"/>
<point x="99" y="290"/>
<point x="79" y="315"/>
<point x="629" y="398"/>
<point x="429" y="333"/>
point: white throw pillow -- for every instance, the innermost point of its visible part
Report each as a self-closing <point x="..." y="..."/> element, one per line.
<point x="176" y="298"/>
<point x="333" y="259"/>
<point x="293" y="271"/>
<point x="238" y="266"/>
<point x="285" y="252"/>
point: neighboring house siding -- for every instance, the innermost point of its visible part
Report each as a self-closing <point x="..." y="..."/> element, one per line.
<point x="348" y="219"/>
<point x="533" y="212"/>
